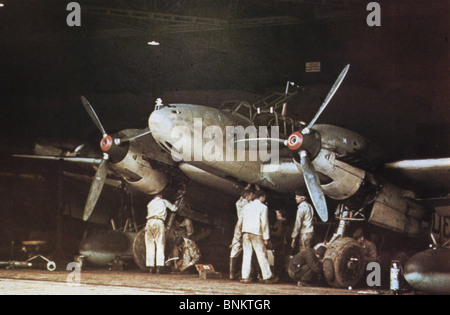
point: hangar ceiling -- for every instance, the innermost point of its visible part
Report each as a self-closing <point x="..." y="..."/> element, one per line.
<point x="397" y="91"/>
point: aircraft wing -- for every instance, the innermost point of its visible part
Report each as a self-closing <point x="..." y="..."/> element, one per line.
<point x="431" y="177"/>
<point x="93" y="161"/>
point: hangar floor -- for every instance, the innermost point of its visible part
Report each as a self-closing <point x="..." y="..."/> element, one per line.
<point x="37" y="282"/>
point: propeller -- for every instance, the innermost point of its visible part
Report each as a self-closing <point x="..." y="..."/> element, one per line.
<point x="330" y="95"/>
<point x="113" y="151"/>
<point x="313" y="185"/>
<point x="111" y="148"/>
<point x="307" y="144"/>
<point x="96" y="187"/>
<point x="100" y="175"/>
<point x="93" y="115"/>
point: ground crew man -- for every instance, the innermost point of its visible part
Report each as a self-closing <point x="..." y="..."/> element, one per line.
<point x="254" y="228"/>
<point x="187" y="252"/>
<point x="155" y="236"/>
<point x="236" y="245"/>
<point x="369" y="248"/>
<point x="306" y="267"/>
<point x="303" y="223"/>
<point x="280" y="234"/>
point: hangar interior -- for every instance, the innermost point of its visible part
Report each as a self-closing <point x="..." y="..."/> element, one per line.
<point x="396" y="93"/>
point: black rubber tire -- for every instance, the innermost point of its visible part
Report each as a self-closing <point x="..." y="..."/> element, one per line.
<point x="344" y="263"/>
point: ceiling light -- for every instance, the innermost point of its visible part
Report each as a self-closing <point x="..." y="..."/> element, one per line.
<point x="153" y="43"/>
<point x="1" y="5"/>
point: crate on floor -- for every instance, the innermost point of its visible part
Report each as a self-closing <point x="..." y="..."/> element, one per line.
<point x="207" y="272"/>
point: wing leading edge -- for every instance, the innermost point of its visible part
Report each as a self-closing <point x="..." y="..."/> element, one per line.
<point x="430" y="177"/>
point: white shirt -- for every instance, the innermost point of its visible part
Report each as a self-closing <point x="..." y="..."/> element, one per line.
<point x="304" y="220"/>
<point x="157" y="208"/>
<point x="255" y="220"/>
<point x="240" y="204"/>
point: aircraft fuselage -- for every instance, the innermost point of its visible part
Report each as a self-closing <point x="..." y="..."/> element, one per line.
<point x="204" y="137"/>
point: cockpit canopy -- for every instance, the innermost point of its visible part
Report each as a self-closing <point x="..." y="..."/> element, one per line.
<point x="240" y="108"/>
<point x="267" y="112"/>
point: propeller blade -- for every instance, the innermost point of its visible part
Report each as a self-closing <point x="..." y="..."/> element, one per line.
<point x="137" y="135"/>
<point x="96" y="188"/>
<point x="109" y="182"/>
<point x="330" y="95"/>
<point x="313" y="184"/>
<point x="61" y="158"/>
<point x="93" y="115"/>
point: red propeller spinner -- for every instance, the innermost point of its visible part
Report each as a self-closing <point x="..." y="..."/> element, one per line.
<point x="106" y="143"/>
<point x="295" y="141"/>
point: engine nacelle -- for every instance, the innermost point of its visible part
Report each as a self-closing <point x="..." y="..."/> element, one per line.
<point x="349" y="145"/>
<point x="391" y="207"/>
<point x="346" y="179"/>
<point x="140" y="174"/>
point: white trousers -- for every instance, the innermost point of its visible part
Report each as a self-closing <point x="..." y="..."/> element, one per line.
<point x="155" y="239"/>
<point x="236" y="245"/>
<point x="236" y="250"/>
<point x="252" y="242"/>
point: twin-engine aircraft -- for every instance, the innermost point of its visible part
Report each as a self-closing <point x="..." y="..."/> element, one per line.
<point x="238" y="143"/>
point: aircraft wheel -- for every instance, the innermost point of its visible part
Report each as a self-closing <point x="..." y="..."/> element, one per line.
<point x="344" y="263"/>
<point x="139" y="250"/>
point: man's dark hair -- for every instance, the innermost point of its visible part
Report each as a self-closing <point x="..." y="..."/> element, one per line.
<point x="282" y="212"/>
<point x="246" y="192"/>
<point x="358" y="234"/>
<point x="321" y="251"/>
<point x="259" y="194"/>
<point x="302" y="195"/>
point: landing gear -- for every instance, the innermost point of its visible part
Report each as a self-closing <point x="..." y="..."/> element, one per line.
<point x="344" y="263"/>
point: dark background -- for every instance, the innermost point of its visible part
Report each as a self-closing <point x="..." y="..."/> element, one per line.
<point x="396" y="93"/>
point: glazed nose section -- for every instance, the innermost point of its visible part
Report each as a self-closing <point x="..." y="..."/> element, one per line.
<point x="164" y="120"/>
<point x="160" y="124"/>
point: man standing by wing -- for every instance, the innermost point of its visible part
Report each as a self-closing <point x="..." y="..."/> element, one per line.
<point x="254" y="226"/>
<point x="236" y="245"/>
<point x="303" y="223"/>
<point x="155" y="234"/>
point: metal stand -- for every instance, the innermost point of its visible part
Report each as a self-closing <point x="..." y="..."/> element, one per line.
<point x="51" y="266"/>
<point x="10" y="265"/>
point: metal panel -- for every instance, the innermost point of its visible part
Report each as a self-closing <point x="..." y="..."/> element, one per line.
<point x="389" y="218"/>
